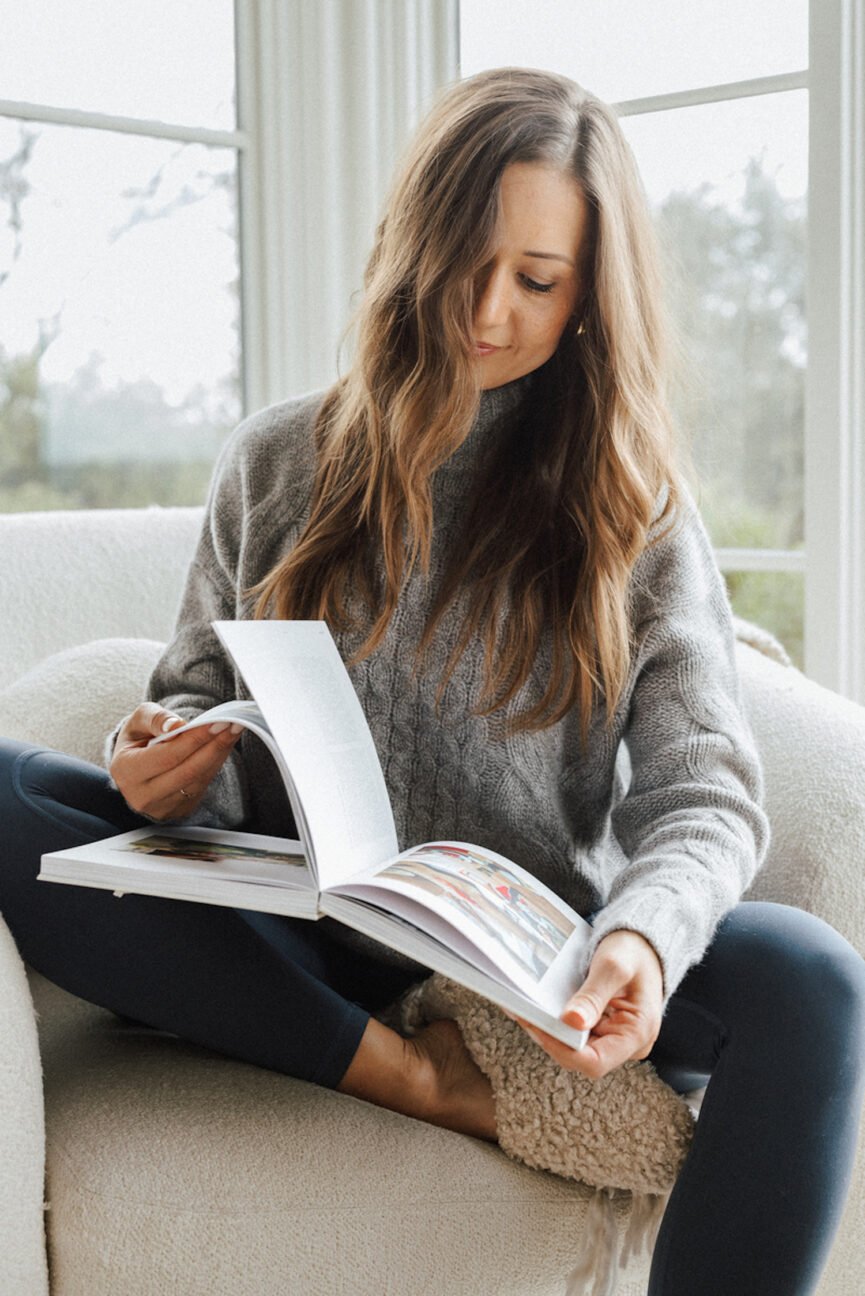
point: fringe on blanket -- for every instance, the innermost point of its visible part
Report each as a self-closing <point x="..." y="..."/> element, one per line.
<point x="606" y="1251"/>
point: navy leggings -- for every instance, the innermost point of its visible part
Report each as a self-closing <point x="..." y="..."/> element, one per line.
<point x="773" y="1019"/>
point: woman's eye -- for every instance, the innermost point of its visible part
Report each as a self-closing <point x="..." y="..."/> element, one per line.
<point x="534" y="286"/>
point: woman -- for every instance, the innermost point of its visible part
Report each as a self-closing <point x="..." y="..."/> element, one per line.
<point x="488" y="513"/>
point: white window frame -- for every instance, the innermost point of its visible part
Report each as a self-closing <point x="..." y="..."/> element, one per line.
<point x="328" y="91"/>
<point x="835" y="384"/>
<point x="833" y="560"/>
<point x="125" y="125"/>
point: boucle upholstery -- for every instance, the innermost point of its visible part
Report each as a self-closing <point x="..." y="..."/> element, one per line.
<point x="23" y="1269"/>
<point x="174" y="1172"/>
<point x="54" y="703"/>
<point x="171" y="1170"/>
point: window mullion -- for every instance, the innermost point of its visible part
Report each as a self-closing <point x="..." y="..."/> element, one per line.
<point x="780" y="83"/>
<point x="122" y="125"/>
<point x="835" y="401"/>
<point x="761" y="560"/>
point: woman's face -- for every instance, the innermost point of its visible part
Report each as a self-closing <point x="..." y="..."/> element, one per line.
<point x="529" y="289"/>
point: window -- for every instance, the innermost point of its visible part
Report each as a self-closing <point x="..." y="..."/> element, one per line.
<point x="713" y="101"/>
<point x="138" y="175"/>
<point x="749" y="125"/>
<point x="120" y="354"/>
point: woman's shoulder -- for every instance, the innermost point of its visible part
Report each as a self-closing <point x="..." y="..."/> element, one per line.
<point x="262" y="482"/>
<point x="268" y="459"/>
<point x="272" y="437"/>
<point x="677" y="567"/>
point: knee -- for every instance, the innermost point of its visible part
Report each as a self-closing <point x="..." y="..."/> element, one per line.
<point x="35" y="773"/>
<point x="12" y="754"/>
<point x="797" y="970"/>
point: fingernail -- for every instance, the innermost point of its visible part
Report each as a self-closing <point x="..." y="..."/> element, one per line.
<point x="170" y="723"/>
<point x="219" y="726"/>
<point x="236" y="728"/>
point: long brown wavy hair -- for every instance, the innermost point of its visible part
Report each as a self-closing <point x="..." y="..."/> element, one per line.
<point x="567" y="506"/>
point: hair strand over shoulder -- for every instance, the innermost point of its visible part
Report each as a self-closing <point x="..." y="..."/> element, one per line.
<point x="600" y="482"/>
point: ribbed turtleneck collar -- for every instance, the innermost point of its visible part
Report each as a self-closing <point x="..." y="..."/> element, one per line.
<point x="499" y="402"/>
<point x="495" y="408"/>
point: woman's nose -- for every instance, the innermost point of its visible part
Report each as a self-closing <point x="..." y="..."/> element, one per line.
<point x="494" y="301"/>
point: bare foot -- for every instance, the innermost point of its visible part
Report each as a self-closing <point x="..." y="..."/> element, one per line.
<point x="430" y="1076"/>
<point x="459" y="1094"/>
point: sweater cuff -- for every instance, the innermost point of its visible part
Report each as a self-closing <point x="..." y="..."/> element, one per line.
<point x="108" y="748"/>
<point x="652" y="912"/>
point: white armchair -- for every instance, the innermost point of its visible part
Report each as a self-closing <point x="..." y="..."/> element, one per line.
<point x="168" y="1169"/>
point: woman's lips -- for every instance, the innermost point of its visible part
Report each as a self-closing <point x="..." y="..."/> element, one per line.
<point x="486" y="348"/>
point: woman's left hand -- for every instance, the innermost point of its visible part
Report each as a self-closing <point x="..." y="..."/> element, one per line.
<point x="619" y="1003"/>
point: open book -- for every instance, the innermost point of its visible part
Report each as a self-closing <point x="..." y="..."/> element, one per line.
<point x="457" y="908"/>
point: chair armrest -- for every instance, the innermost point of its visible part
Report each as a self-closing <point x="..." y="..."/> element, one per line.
<point x="72" y="699"/>
<point x="23" y="1269"/>
<point x="812" y="743"/>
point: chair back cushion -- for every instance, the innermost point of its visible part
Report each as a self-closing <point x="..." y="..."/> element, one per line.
<point x="69" y="577"/>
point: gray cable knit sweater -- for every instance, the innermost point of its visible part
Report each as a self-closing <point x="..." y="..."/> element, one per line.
<point x="658" y="829"/>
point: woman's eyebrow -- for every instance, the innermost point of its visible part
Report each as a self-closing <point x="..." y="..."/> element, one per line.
<point x="550" y="256"/>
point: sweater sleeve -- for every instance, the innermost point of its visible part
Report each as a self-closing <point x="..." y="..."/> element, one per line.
<point x="690" y="826"/>
<point x="193" y="673"/>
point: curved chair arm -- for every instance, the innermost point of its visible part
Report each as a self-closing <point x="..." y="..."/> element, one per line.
<point x="812" y="742"/>
<point x="23" y="1268"/>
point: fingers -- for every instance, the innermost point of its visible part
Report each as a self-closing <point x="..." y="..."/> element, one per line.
<point x="600" y="1055"/>
<point x="147" y="721"/>
<point x="168" y="780"/>
<point x="200" y="761"/>
<point x="604" y="1053"/>
<point x="605" y="979"/>
<point x="619" y="1003"/>
<point x="559" y="1052"/>
<point x="624" y="966"/>
<point x="179" y="793"/>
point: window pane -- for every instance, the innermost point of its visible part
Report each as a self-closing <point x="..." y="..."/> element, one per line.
<point x="119" y="350"/>
<point x="775" y="601"/>
<point x="728" y="182"/>
<point x="625" y="49"/>
<point x="170" y="60"/>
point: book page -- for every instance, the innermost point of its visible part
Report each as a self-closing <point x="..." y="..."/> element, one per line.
<point x="212" y="866"/>
<point x="294" y="671"/>
<point x="440" y="956"/>
<point x="211" y="853"/>
<point x="476" y="900"/>
<point x="248" y="714"/>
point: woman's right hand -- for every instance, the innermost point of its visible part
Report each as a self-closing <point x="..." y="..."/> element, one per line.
<point x="167" y="780"/>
